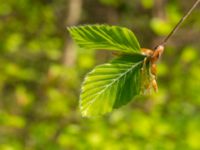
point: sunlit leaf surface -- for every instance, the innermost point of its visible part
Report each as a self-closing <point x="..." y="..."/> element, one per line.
<point x="110" y="86"/>
<point x="105" y="37"/>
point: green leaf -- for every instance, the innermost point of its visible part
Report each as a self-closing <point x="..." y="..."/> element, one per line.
<point x="105" y="37"/>
<point x="110" y="86"/>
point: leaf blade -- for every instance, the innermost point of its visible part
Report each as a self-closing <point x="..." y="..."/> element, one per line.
<point x="105" y="37"/>
<point x="113" y="88"/>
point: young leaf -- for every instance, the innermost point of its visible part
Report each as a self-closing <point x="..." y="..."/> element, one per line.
<point x="105" y="37"/>
<point x="111" y="85"/>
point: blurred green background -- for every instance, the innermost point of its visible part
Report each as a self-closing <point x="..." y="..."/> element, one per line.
<point x="41" y="71"/>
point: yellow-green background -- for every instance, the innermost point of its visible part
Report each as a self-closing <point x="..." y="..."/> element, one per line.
<point x="41" y="73"/>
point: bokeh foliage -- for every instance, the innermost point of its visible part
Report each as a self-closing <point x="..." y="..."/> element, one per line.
<point x="39" y="93"/>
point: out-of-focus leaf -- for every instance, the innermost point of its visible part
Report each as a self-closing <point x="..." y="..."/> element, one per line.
<point x="111" y="2"/>
<point x="105" y="37"/>
<point x="11" y="120"/>
<point x="160" y="27"/>
<point x="147" y="3"/>
<point x="14" y="41"/>
<point x="189" y="54"/>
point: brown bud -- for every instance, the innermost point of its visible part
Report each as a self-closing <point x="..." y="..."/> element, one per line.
<point x="155" y="86"/>
<point x="157" y="53"/>
<point x="154" y="69"/>
<point x="147" y="52"/>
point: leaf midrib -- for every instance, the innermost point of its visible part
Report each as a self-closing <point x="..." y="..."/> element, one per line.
<point x="112" y="41"/>
<point x="113" y="82"/>
<point x="118" y="46"/>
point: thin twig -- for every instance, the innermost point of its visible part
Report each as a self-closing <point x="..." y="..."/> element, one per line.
<point x="180" y="22"/>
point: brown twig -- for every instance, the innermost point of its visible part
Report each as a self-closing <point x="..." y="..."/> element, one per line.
<point x="179" y="23"/>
